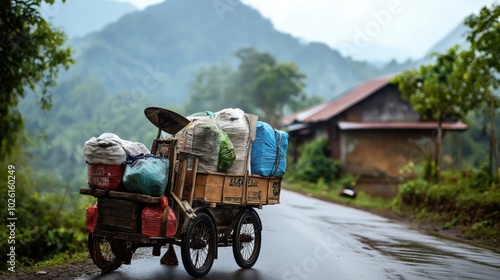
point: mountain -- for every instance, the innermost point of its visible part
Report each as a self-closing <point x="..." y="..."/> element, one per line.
<point x="79" y="18"/>
<point x="455" y="37"/>
<point x="175" y="38"/>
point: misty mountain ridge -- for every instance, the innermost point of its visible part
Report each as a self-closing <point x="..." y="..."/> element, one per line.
<point x="79" y="18"/>
<point x="177" y="37"/>
<point x="456" y="37"/>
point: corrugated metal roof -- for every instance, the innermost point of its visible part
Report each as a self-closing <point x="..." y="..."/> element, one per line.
<point x="401" y="125"/>
<point x="327" y="110"/>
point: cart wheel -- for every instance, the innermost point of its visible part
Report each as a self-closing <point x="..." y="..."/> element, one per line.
<point x="199" y="245"/>
<point x="247" y="239"/>
<point x="103" y="254"/>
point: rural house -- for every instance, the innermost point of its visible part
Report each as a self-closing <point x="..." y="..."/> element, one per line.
<point x="371" y="130"/>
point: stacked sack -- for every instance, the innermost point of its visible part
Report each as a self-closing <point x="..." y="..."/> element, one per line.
<point x="220" y="141"/>
<point x="110" y="149"/>
<point x="233" y="122"/>
<point x="204" y="138"/>
<point x="268" y="157"/>
<point x="104" y="156"/>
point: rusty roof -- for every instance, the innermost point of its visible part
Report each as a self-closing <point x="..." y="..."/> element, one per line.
<point x="327" y="110"/>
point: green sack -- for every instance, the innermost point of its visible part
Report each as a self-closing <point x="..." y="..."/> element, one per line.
<point x="146" y="174"/>
<point x="227" y="155"/>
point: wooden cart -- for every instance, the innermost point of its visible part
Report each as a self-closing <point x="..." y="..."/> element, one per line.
<point x="212" y="210"/>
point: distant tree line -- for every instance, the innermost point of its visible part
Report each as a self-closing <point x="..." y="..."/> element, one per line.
<point x="259" y="85"/>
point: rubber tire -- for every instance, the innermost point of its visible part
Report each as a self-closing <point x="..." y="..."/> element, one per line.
<point x="108" y="261"/>
<point x="246" y="253"/>
<point x="204" y="225"/>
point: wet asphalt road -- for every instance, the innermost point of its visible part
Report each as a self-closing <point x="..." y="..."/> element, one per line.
<point x="305" y="238"/>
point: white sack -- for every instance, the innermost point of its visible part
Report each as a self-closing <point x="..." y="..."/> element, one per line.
<point x="108" y="148"/>
<point x="234" y="124"/>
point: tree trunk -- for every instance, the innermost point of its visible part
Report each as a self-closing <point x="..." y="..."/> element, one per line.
<point x="439" y="143"/>
<point x="493" y="142"/>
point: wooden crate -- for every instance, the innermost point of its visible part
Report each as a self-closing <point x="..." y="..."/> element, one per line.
<point x="118" y="215"/>
<point x="233" y="189"/>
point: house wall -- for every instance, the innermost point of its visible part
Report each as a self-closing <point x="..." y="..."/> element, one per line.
<point x="382" y="153"/>
<point x="376" y="155"/>
<point x="386" y="105"/>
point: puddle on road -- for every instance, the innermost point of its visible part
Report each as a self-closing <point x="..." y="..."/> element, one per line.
<point x="432" y="261"/>
<point x="302" y="207"/>
<point x="406" y="251"/>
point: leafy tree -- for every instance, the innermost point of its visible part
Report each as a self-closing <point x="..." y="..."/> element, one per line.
<point x="484" y="71"/>
<point x="260" y="84"/>
<point x="441" y="91"/>
<point x="210" y="89"/>
<point x="267" y="85"/>
<point x="31" y="54"/>
<point x="463" y="81"/>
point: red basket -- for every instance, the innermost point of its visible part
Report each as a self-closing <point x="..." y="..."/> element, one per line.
<point x="105" y="176"/>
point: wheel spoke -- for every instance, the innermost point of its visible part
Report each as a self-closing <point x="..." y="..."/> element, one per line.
<point x="103" y="254"/>
<point x="247" y="239"/>
<point x="198" y="246"/>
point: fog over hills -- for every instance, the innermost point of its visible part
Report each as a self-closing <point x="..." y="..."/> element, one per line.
<point x="78" y="18"/>
<point x="178" y="37"/>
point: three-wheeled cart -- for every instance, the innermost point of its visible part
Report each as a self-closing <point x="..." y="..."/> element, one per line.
<point x="212" y="210"/>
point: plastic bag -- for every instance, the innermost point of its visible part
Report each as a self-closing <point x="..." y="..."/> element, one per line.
<point x="108" y="148"/>
<point x="268" y="157"/>
<point x="146" y="174"/>
<point x="226" y="153"/>
<point x="151" y="219"/>
<point x="91" y="218"/>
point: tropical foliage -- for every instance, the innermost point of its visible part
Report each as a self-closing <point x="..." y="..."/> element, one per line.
<point x="459" y="82"/>
<point x="259" y="85"/>
<point x="31" y="54"/>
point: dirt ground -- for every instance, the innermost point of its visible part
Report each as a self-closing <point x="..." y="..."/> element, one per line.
<point x="68" y="271"/>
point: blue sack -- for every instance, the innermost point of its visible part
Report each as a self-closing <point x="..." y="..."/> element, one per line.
<point x="146" y="174"/>
<point x="268" y="157"/>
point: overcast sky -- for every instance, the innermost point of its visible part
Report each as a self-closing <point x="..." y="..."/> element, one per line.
<point x="364" y="29"/>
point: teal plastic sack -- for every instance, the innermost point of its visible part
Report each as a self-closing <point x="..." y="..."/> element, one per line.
<point x="146" y="174"/>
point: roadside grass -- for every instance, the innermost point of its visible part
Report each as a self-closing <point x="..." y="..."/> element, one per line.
<point x="29" y="267"/>
<point x="328" y="192"/>
<point x="59" y="259"/>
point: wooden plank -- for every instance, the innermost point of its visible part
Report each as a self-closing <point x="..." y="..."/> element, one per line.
<point x="274" y="190"/>
<point x="193" y="180"/>
<point x="230" y="189"/>
<point x="120" y="195"/>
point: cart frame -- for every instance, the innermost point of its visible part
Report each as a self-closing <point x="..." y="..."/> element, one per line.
<point x="212" y="210"/>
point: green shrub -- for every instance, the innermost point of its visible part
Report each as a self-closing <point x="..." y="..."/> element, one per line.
<point x="469" y="199"/>
<point x="315" y="163"/>
<point x="47" y="224"/>
<point x="482" y="178"/>
<point x="413" y="192"/>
